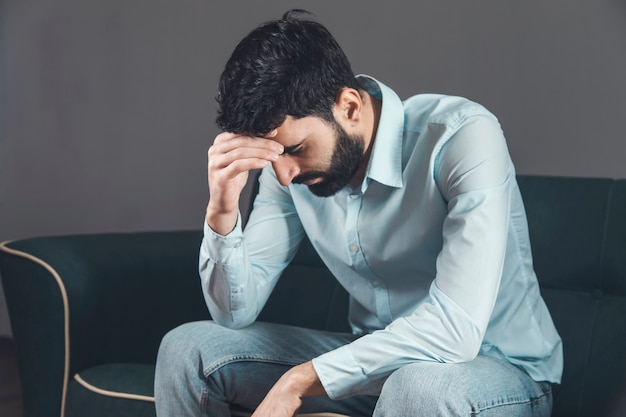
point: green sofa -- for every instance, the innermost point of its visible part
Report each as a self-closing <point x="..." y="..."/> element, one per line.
<point x="88" y="311"/>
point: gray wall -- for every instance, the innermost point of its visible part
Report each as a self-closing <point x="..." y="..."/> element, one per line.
<point x="107" y="109"/>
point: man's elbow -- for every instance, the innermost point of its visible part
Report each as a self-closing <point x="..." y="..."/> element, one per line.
<point x="463" y="346"/>
<point x="231" y="320"/>
<point x="466" y="349"/>
<point x="462" y="355"/>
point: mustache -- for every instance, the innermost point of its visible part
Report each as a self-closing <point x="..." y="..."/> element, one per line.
<point x="302" y="178"/>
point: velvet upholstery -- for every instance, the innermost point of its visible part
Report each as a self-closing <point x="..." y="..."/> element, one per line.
<point x="111" y="297"/>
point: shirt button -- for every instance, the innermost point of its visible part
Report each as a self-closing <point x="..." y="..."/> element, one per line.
<point x="354" y="196"/>
<point x="354" y="248"/>
<point x="376" y="283"/>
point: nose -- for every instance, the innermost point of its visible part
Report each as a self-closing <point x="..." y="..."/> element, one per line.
<point x="286" y="169"/>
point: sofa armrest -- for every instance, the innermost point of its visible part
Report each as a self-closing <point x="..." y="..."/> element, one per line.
<point x="79" y="301"/>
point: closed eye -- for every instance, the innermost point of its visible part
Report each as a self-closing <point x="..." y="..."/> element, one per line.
<point x="293" y="150"/>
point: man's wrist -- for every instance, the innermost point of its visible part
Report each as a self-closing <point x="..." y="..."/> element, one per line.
<point x="221" y="223"/>
<point x="303" y="380"/>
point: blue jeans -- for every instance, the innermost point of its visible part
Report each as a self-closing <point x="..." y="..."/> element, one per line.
<point x="203" y="369"/>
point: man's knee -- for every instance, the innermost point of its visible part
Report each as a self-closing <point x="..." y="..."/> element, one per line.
<point x="207" y="345"/>
<point x="178" y="348"/>
<point x="486" y="385"/>
<point x="180" y="338"/>
<point x="422" y="387"/>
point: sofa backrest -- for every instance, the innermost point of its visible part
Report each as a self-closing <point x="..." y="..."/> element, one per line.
<point x="578" y="235"/>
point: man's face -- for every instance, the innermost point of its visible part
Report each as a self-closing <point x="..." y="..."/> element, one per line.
<point x="319" y="154"/>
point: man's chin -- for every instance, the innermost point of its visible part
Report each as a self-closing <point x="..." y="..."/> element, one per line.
<point x="326" y="188"/>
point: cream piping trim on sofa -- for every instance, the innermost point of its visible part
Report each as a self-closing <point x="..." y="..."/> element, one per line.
<point x="66" y="313"/>
<point x="114" y="394"/>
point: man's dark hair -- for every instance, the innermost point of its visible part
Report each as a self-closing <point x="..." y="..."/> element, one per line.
<point x="290" y="66"/>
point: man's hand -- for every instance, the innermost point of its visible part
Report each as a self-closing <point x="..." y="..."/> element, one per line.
<point x="285" y="397"/>
<point x="231" y="157"/>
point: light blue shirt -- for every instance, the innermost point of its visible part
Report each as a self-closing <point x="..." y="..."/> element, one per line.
<point x="433" y="249"/>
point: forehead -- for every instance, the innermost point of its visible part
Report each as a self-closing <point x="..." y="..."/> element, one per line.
<point x="294" y="131"/>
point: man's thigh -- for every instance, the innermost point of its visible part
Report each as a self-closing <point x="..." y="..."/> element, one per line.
<point x="486" y="386"/>
<point x="239" y="366"/>
<point x="263" y="342"/>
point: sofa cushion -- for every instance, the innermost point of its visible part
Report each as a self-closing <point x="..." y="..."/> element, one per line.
<point x="566" y="218"/>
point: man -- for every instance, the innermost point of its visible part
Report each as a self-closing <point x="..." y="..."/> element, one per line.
<point x="415" y="209"/>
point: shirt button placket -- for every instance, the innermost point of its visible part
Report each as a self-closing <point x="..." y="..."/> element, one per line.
<point x="353" y="206"/>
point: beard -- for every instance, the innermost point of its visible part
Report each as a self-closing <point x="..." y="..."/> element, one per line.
<point x="346" y="158"/>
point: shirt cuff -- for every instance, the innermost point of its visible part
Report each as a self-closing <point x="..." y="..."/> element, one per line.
<point x="222" y="249"/>
<point x="339" y="373"/>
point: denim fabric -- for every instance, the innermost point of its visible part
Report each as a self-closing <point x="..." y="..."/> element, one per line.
<point x="486" y="386"/>
<point x="203" y="369"/>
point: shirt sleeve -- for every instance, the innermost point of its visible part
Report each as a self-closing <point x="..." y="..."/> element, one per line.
<point x="239" y="271"/>
<point x="475" y="176"/>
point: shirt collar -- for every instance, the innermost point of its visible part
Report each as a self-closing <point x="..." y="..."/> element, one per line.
<point x="385" y="165"/>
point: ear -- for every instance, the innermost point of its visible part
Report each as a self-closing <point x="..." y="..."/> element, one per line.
<point x="348" y="106"/>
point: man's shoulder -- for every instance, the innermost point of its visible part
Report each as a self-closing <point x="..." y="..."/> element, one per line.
<point x="424" y="109"/>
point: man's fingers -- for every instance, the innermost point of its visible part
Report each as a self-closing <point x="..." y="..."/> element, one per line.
<point x="228" y="141"/>
<point x="239" y="153"/>
<point x="255" y="157"/>
<point x="239" y="166"/>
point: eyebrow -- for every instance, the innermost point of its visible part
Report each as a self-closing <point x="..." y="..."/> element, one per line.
<point x="290" y="149"/>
